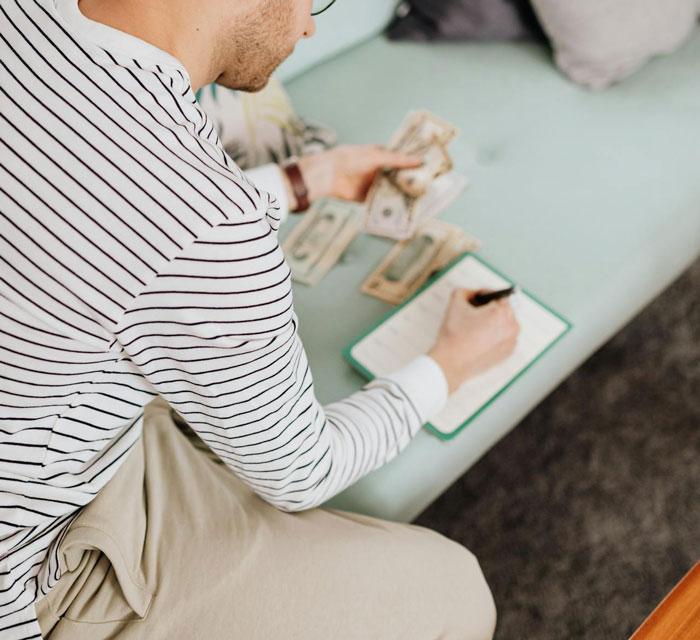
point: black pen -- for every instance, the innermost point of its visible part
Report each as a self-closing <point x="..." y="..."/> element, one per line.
<point x="480" y="299"/>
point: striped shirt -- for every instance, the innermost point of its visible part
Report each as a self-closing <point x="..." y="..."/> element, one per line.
<point x="136" y="259"/>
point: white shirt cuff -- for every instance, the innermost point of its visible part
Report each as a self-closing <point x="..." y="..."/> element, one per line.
<point x="268" y="178"/>
<point x="423" y="381"/>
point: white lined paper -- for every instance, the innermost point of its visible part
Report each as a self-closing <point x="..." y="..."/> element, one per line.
<point x="412" y="330"/>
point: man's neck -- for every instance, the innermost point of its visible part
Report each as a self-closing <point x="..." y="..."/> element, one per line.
<point x="165" y="24"/>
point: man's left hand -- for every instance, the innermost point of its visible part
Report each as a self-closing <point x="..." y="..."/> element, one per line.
<point x="347" y="172"/>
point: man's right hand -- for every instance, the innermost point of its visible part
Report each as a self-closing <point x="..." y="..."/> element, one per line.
<point x="473" y="339"/>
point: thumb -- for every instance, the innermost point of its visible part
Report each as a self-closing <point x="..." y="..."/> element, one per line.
<point x="470" y="293"/>
<point x="461" y="295"/>
<point x="394" y="160"/>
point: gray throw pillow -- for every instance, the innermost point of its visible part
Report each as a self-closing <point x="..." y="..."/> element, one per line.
<point x="598" y="42"/>
<point x="464" y="19"/>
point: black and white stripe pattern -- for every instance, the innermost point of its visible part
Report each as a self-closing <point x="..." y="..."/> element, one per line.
<point x="136" y="259"/>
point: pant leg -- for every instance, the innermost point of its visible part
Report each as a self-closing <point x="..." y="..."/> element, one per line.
<point x="214" y="561"/>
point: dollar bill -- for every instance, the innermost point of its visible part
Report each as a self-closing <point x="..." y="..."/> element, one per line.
<point x="317" y="242"/>
<point x="390" y="211"/>
<point x="393" y="199"/>
<point x="418" y="128"/>
<point x="396" y="215"/>
<point x="412" y="262"/>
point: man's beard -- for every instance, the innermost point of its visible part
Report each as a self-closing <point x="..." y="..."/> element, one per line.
<point x="256" y="47"/>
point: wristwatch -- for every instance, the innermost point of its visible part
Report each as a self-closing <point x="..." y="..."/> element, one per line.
<point x="301" y="193"/>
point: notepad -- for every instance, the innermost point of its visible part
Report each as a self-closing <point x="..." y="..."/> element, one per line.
<point x="411" y="330"/>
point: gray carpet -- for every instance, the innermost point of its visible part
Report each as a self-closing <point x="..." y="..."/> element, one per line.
<point x="588" y="513"/>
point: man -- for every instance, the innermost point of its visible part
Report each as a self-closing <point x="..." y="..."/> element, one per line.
<point x="138" y="261"/>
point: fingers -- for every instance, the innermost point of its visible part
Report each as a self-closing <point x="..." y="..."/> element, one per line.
<point x="461" y="292"/>
<point x="472" y="293"/>
<point x="510" y="324"/>
<point x="462" y="296"/>
<point x="502" y="313"/>
<point x="503" y="308"/>
<point x="466" y="296"/>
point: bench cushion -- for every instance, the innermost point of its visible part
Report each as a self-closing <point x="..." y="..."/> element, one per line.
<point x="590" y="200"/>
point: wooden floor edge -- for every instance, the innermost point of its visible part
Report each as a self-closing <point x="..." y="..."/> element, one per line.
<point x="677" y="611"/>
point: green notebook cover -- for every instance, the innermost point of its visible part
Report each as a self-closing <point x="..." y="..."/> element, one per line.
<point x="347" y="352"/>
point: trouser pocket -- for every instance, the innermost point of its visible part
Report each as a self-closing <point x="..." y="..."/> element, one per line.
<point x="105" y="573"/>
<point x="97" y="584"/>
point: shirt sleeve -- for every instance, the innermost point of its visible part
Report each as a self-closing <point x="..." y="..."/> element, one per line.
<point x="268" y="178"/>
<point x="215" y="334"/>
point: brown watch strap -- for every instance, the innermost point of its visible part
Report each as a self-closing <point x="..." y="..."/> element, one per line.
<point x="298" y="186"/>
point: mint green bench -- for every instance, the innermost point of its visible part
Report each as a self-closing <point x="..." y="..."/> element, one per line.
<point x="589" y="200"/>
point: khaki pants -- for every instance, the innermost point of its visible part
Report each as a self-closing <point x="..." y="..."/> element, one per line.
<point x="175" y="546"/>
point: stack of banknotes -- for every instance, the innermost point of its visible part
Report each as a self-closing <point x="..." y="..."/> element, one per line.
<point x="394" y="200"/>
<point x="402" y="205"/>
